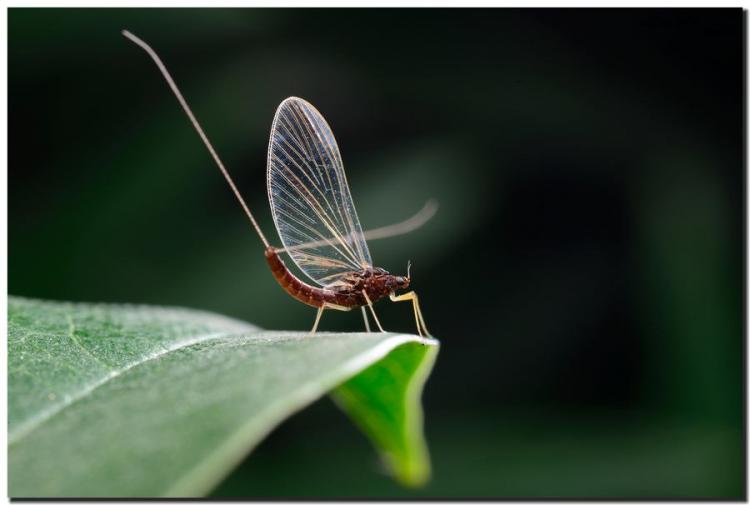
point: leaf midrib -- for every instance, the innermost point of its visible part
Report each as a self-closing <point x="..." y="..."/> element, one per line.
<point x="30" y="424"/>
<point x="231" y="451"/>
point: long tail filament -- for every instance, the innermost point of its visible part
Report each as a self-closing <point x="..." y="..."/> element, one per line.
<point x="197" y="127"/>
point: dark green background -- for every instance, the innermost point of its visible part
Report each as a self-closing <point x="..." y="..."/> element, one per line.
<point x="584" y="272"/>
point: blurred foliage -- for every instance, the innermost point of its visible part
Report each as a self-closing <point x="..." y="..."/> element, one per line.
<point x="584" y="272"/>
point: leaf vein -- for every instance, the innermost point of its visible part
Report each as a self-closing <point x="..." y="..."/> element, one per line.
<point x="28" y="426"/>
<point x="77" y="342"/>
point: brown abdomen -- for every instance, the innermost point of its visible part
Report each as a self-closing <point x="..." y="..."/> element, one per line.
<point x="309" y="295"/>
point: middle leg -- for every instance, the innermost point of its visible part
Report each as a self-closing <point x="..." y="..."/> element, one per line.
<point x="372" y="310"/>
<point x="364" y="316"/>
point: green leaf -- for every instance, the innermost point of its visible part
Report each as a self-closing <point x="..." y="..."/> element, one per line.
<point x="384" y="401"/>
<point x="133" y="401"/>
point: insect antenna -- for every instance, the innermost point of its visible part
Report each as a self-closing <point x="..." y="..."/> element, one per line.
<point x="408" y="269"/>
<point x="197" y="127"/>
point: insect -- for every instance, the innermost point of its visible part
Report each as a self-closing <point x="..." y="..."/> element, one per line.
<point x="314" y="215"/>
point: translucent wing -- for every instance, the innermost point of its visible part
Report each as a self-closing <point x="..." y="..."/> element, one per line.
<point x="310" y="199"/>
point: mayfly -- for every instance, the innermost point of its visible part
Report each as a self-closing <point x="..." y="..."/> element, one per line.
<point x="315" y="216"/>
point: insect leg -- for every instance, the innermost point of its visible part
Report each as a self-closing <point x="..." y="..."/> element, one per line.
<point x="411" y="295"/>
<point x="325" y="306"/>
<point x="364" y="316"/>
<point x="317" y="320"/>
<point x="372" y="310"/>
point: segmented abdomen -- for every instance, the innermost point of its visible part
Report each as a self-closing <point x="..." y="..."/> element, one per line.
<point x="309" y="295"/>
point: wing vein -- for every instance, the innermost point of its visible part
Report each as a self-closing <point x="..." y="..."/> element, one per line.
<point x="315" y="206"/>
<point x="310" y="200"/>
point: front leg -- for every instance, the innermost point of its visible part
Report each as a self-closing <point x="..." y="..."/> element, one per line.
<point x="411" y="295"/>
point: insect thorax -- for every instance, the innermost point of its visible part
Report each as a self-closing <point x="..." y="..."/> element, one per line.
<point x="376" y="281"/>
